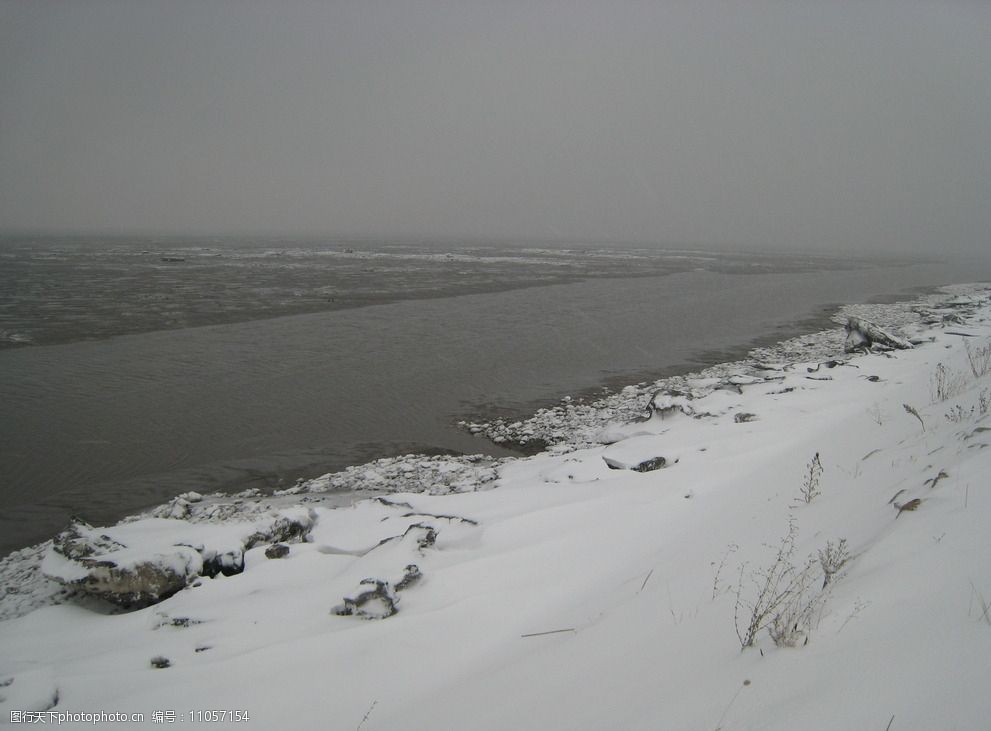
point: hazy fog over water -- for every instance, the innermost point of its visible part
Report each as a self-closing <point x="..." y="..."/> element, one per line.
<point x="799" y="125"/>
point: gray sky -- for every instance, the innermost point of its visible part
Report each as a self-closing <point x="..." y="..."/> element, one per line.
<point x="795" y="124"/>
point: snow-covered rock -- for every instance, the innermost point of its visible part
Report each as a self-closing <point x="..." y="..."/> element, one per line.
<point x="139" y="563"/>
<point x="638" y="454"/>
<point x="277" y="550"/>
<point x="861" y="333"/>
<point x="376" y="601"/>
<point x="122" y="576"/>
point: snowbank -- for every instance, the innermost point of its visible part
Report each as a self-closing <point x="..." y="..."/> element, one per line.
<point x="811" y="553"/>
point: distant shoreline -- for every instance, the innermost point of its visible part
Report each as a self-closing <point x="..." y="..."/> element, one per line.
<point x="92" y="290"/>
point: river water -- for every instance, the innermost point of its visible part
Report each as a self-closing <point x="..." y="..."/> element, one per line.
<point x="104" y="427"/>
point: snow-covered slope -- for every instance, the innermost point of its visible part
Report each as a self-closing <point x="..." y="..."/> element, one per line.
<point x="575" y="595"/>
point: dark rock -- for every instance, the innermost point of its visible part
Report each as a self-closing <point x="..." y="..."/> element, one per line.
<point x="650" y="465"/>
<point x="228" y="563"/>
<point x="161" y="662"/>
<point x="277" y="550"/>
<point x="744" y="416"/>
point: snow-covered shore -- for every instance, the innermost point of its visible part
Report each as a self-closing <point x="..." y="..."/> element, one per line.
<point x="571" y="590"/>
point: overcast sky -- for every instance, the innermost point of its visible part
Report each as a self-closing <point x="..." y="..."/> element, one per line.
<point x="795" y="124"/>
